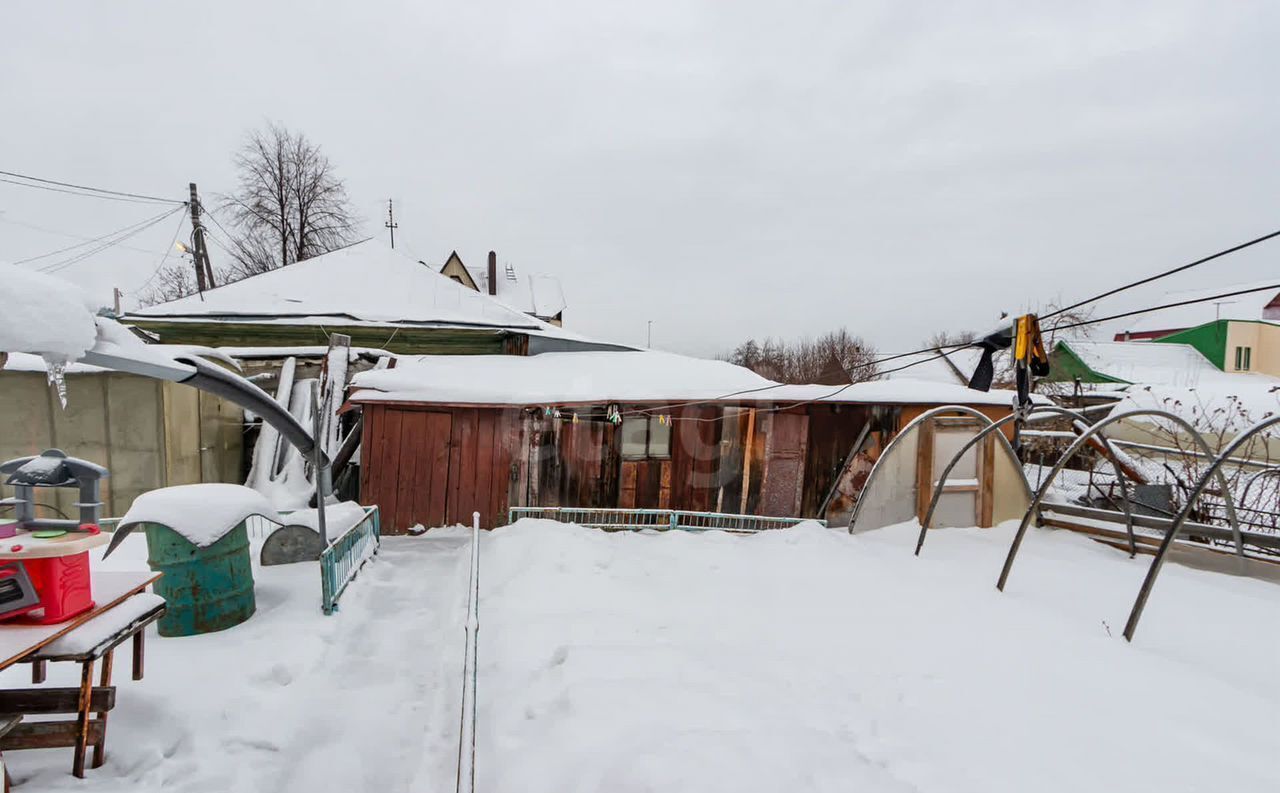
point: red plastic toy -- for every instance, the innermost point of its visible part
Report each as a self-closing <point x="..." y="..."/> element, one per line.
<point x="63" y="585"/>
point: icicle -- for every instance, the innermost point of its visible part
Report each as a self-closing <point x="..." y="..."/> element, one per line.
<point x="57" y="371"/>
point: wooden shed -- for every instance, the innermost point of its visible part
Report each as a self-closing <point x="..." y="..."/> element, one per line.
<point x="446" y="436"/>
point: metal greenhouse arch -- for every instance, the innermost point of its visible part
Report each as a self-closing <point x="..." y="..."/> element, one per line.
<point x="1215" y="467"/>
<point x="1096" y="429"/>
<point x="911" y="427"/>
<point x="1124" y="487"/>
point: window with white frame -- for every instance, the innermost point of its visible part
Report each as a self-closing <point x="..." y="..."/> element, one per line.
<point x="645" y="437"/>
<point x="1243" y="358"/>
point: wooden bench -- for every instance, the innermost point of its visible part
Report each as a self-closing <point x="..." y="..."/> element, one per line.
<point x="96" y="639"/>
<point x="7" y="723"/>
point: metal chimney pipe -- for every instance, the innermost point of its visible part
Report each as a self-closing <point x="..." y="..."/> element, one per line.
<point x="493" y="273"/>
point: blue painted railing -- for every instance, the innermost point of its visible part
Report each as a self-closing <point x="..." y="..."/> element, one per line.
<point x="342" y="560"/>
<point x="656" y="519"/>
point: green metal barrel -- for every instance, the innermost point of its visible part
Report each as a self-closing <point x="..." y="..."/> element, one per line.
<point x="205" y="589"/>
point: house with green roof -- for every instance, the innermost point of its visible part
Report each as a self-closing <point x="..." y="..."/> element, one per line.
<point x="1240" y="334"/>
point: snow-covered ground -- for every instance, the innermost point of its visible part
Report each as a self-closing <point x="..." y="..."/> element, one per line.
<point x="811" y="660"/>
<point x="795" y="660"/>
<point x="290" y="700"/>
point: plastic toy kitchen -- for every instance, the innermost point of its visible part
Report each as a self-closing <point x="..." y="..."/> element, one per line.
<point x="44" y="562"/>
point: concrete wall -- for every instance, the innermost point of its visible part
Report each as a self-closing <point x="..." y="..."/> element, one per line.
<point x="148" y="433"/>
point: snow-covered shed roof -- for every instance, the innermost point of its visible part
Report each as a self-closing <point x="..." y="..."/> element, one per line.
<point x="1242" y="307"/>
<point x="364" y="283"/>
<point x="628" y="376"/>
<point x="1145" y="362"/>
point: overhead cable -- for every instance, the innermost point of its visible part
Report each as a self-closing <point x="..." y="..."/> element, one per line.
<point x="120" y="237"/>
<point x="100" y="191"/>
<point x="1167" y="305"/>
<point x="1164" y="274"/>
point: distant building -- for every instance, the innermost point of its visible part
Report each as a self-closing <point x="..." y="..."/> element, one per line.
<point x="1127" y="363"/>
<point x="1239" y="334"/>
<point x="535" y="294"/>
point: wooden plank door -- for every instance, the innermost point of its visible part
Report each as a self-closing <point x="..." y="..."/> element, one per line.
<point x="784" y="464"/>
<point x="430" y="473"/>
<point x="960" y="502"/>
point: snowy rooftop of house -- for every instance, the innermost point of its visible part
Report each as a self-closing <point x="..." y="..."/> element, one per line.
<point x="1147" y="362"/>
<point x="533" y="293"/>
<point x="1246" y="307"/>
<point x="634" y="376"/>
<point x="365" y="283"/>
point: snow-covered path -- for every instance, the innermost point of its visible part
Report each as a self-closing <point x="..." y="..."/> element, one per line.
<point x="290" y="700"/>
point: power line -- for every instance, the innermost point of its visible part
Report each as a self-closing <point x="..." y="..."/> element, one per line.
<point x="939" y="349"/>
<point x="163" y="259"/>
<point x="1167" y="305"/>
<point x="217" y="222"/>
<point x="103" y="191"/>
<point x="74" y="192"/>
<point x="1158" y="276"/>
<point x="87" y="241"/>
<point x="817" y="399"/>
<point x="61" y="265"/>
<point x="58" y="233"/>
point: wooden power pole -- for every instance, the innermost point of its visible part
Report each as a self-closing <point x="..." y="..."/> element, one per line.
<point x="391" y="223"/>
<point x="204" y="270"/>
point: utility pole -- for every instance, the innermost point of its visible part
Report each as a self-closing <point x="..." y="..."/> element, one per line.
<point x="204" y="271"/>
<point x="391" y="223"/>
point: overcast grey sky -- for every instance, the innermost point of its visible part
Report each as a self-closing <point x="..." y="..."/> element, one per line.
<point x="725" y="169"/>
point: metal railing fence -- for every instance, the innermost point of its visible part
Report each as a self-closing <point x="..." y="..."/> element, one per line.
<point x="342" y="560"/>
<point x="610" y="519"/>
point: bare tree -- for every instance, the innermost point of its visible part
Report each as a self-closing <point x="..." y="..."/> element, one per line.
<point x="170" y="283"/>
<point x="947" y="338"/>
<point x="836" y="357"/>
<point x="289" y="204"/>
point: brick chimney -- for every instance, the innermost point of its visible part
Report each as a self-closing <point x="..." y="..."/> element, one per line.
<point x="493" y="273"/>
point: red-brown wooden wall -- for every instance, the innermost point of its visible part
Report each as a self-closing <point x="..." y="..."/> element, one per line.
<point x="436" y="467"/>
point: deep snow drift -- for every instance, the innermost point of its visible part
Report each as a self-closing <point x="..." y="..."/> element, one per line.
<point x="795" y="660"/>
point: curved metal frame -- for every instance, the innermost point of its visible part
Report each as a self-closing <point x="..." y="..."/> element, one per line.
<point x="1274" y="471"/>
<point x="937" y="493"/>
<point x="1075" y="447"/>
<point x="1215" y="467"/>
<point x="911" y="425"/>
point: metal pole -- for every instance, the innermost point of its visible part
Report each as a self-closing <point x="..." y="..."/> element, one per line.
<point x="318" y="462"/>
